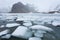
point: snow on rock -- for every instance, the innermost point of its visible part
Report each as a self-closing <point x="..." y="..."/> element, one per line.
<point x="22" y="32"/>
<point x="7" y="36"/>
<point x="12" y="24"/>
<point x="56" y="23"/>
<point x="40" y="27"/>
<point x="34" y="38"/>
<point x="4" y="32"/>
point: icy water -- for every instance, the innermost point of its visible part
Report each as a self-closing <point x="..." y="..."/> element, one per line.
<point x="32" y="17"/>
<point x="29" y="16"/>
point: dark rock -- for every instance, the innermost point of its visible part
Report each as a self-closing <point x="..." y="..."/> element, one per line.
<point x="21" y="8"/>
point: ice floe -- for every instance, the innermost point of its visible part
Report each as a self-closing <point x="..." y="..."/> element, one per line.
<point x="22" y="32"/>
<point x="40" y="27"/>
<point x="34" y="38"/>
<point x="12" y="24"/>
<point x="56" y="23"/>
<point x="27" y="23"/>
<point x="4" y="32"/>
<point x="1" y="26"/>
<point x="7" y="36"/>
<point x="39" y="33"/>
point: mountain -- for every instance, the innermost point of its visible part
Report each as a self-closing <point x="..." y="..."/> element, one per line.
<point x="21" y="8"/>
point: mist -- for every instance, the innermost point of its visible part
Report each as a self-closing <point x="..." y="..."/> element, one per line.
<point x="41" y="5"/>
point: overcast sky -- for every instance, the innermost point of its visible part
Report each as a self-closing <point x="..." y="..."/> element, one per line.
<point x="41" y="5"/>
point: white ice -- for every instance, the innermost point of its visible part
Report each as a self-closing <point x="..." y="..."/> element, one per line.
<point x="22" y="32"/>
<point x="27" y="23"/>
<point x="7" y="36"/>
<point x="20" y="19"/>
<point x="38" y="34"/>
<point x="4" y="32"/>
<point x="56" y="23"/>
<point x="34" y="38"/>
<point x="1" y="26"/>
<point x="40" y="27"/>
<point x="12" y="24"/>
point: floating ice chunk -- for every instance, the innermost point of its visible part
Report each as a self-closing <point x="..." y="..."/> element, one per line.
<point x="27" y="23"/>
<point x="37" y="22"/>
<point x="4" y="32"/>
<point x="56" y="23"/>
<point x="22" y="32"/>
<point x="11" y="17"/>
<point x="20" y="19"/>
<point x="34" y="38"/>
<point x="7" y="36"/>
<point x="39" y="33"/>
<point x="12" y="24"/>
<point x="1" y="26"/>
<point x="48" y="20"/>
<point x="40" y="27"/>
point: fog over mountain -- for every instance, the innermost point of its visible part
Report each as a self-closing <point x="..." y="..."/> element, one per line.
<point x="21" y="8"/>
<point x="41" y="5"/>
